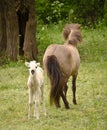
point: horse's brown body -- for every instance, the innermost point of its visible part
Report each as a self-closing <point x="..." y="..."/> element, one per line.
<point x="68" y="58"/>
<point x="60" y="62"/>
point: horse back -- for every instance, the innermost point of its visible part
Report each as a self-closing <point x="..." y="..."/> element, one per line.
<point x="67" y="56"/>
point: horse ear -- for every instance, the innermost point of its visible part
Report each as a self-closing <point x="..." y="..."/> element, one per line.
<point x="38" y="64"/>
<point x="27" y="64"/>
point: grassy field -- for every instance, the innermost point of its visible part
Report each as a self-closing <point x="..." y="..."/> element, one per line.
<point x="91" y="111"/>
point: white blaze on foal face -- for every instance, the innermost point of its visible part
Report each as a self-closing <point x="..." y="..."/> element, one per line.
<point x="32" y="66"/>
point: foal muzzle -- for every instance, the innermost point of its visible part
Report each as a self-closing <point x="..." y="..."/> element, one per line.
<point x="32" y="71"/>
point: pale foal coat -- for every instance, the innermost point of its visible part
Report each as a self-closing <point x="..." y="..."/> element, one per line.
<point x="35" y="87"/>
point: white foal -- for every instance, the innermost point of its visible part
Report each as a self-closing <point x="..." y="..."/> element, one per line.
<point x="35" y="87"/>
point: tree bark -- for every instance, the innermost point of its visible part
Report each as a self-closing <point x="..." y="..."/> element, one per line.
<point x="2" y="29"/>
<point x="12" y="31"/>
<point x="17" y="18"/>
<point x="30" y="46"/>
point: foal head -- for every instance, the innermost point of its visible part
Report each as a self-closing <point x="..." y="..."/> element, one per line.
<point x="32" y="65"/>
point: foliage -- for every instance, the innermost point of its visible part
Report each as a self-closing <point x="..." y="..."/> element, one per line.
<point x="85" y="12"/>
<point x="48" y="34"/>
<point x="49" y="11"/>
<point x="105" y="14"/>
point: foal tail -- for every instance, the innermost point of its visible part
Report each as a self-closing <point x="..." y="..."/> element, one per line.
<point x="54" y="73"/>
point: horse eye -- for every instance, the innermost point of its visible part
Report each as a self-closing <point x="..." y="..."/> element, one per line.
<point x="36" y="67"/>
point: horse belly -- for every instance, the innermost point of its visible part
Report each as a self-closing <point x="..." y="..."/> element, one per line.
<point x="75" y="63"/>
<point x="69" y="62"/>
<point x="64" y="59"/>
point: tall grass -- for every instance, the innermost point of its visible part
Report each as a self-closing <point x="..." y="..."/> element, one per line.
<point x="91" y="111"/>
<point x="93" y="47"/>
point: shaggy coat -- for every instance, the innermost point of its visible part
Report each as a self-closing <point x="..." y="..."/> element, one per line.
<point x="62" y="61"/>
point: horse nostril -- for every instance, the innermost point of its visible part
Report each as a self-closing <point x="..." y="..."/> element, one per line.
<point x="32" y="71"/>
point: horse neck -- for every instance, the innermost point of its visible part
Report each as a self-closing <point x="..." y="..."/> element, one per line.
<point x="73" y="45"/>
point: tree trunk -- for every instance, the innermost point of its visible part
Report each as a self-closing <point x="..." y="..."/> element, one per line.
<point x="18" y="29"/>
<point x="12" y="31"/>
<point x="30" y="47"/>
<point x="2" y="29"/>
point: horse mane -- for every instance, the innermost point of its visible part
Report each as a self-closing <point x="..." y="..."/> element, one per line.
<point x="72" y="32"/>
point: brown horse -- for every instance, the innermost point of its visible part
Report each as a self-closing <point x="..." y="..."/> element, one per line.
<point x="62" y="61"/>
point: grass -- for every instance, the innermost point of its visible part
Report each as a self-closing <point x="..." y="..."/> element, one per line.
<point x="91" y="111"/>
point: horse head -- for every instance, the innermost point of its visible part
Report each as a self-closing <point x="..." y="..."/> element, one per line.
<point x="71" y="34"/>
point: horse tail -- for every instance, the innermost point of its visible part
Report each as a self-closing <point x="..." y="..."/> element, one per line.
<point x="54" y="74"/>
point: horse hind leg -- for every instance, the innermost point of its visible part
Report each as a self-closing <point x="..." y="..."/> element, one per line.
<point x="57" y="101"/>
<point x="74" y="89"/>
<point x="65" y="89"/>
<point x="65" y="100"/>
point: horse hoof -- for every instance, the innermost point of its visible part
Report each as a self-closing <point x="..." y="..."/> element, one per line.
<point x="58" y="105"/>
<point x="74" y="101"/>
<point x="67" y="107"/>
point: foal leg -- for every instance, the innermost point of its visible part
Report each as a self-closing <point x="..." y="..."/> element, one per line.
<point x="65" y="100"/>
<point x="43" y="101"/>
<point x="42" y="93"/>
<point x="36" y="109"/>
<point x="74" y="89"/>
<point x="30" y="103"/>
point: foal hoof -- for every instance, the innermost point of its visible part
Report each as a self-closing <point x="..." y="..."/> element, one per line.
<point x="29" y="117"/>
<point x="37" y="117"/>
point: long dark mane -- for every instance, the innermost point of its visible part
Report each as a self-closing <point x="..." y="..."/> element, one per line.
<point x="54" y="74"/>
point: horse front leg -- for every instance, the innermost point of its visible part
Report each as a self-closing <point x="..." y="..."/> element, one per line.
<point x="74" y="89"/>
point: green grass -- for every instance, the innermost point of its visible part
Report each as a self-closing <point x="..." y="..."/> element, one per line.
<point x="93" y="47"/>
<point x="91" y="111"/>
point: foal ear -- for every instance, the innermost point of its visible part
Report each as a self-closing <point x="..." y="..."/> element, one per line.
<point x="27" y="64"/>
<point x="38" y="64"/>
